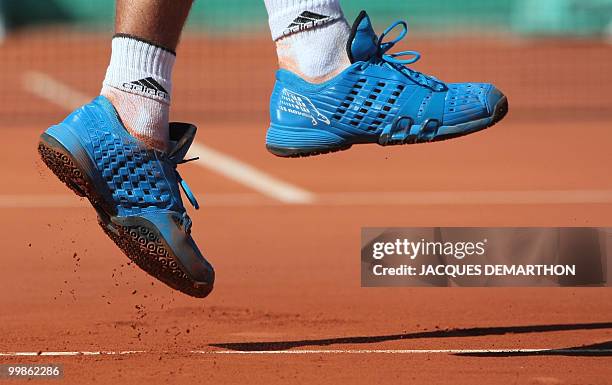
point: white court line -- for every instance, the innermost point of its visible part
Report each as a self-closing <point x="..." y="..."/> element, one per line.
<point x="315" y="351"/>
<point x="407" y="351"/>
<point x="249" y="175"/>
<point x="423" y="198"/>
<point x="492" y="197"/>
<point x="62" y="354"/>
<point x="56" y="92"/>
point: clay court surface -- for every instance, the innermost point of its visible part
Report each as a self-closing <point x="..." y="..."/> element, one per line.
<point x="288" y="306"/>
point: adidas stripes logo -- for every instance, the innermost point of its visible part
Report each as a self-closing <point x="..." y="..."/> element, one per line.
<point x="306" y="20"/>
<point x="147" y="86"/>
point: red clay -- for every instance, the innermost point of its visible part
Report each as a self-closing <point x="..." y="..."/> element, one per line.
<point x="291" y="273"/>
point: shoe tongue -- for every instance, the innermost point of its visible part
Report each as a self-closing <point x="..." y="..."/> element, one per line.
<point x="181" y="137"/>
<point x="363" y="42"/>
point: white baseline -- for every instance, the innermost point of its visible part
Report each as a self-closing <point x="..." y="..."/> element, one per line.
<point x="314" y="351"/>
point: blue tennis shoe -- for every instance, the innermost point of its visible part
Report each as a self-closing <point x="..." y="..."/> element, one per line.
<point x="134" y="189"/>
<point x="377" y="99"/>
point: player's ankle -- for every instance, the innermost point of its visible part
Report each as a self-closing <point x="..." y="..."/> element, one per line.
<point x="142" y="117"/>
<point x="310" y="37"/>
<point x="138" y="84"/>
<point x="316" y="54"/>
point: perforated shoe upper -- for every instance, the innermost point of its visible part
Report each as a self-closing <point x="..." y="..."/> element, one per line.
<point x="139" y="179"/>
<point x="465" y="102"/>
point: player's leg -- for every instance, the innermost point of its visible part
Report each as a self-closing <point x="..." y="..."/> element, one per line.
<point x="121" y="153"/>
<point x="338" y="86"/>
<point x="139" y="78"/>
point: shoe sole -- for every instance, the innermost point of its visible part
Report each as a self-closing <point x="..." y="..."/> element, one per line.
<point x="141" y="243"/>
<point x="500" y="111"/>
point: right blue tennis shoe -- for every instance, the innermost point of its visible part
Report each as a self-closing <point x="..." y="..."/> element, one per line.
<point x="377" y="99"/>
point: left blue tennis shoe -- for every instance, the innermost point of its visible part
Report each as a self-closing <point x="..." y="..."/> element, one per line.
<point x="377" y="99"/>
<point x="134" y="189"/>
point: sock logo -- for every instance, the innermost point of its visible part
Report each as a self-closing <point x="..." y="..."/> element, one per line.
<point x="297" y="104"/>
<point x="306" y="20"/>
<point x="148" y="86"/>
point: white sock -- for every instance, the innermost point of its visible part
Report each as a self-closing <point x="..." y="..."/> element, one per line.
<point x="310" y="37"/>
<point x="138" y="84"/>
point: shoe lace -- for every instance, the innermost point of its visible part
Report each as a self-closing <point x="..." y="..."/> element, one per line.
<point x="401" y="64"/>
<point x="185" y="219"/>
